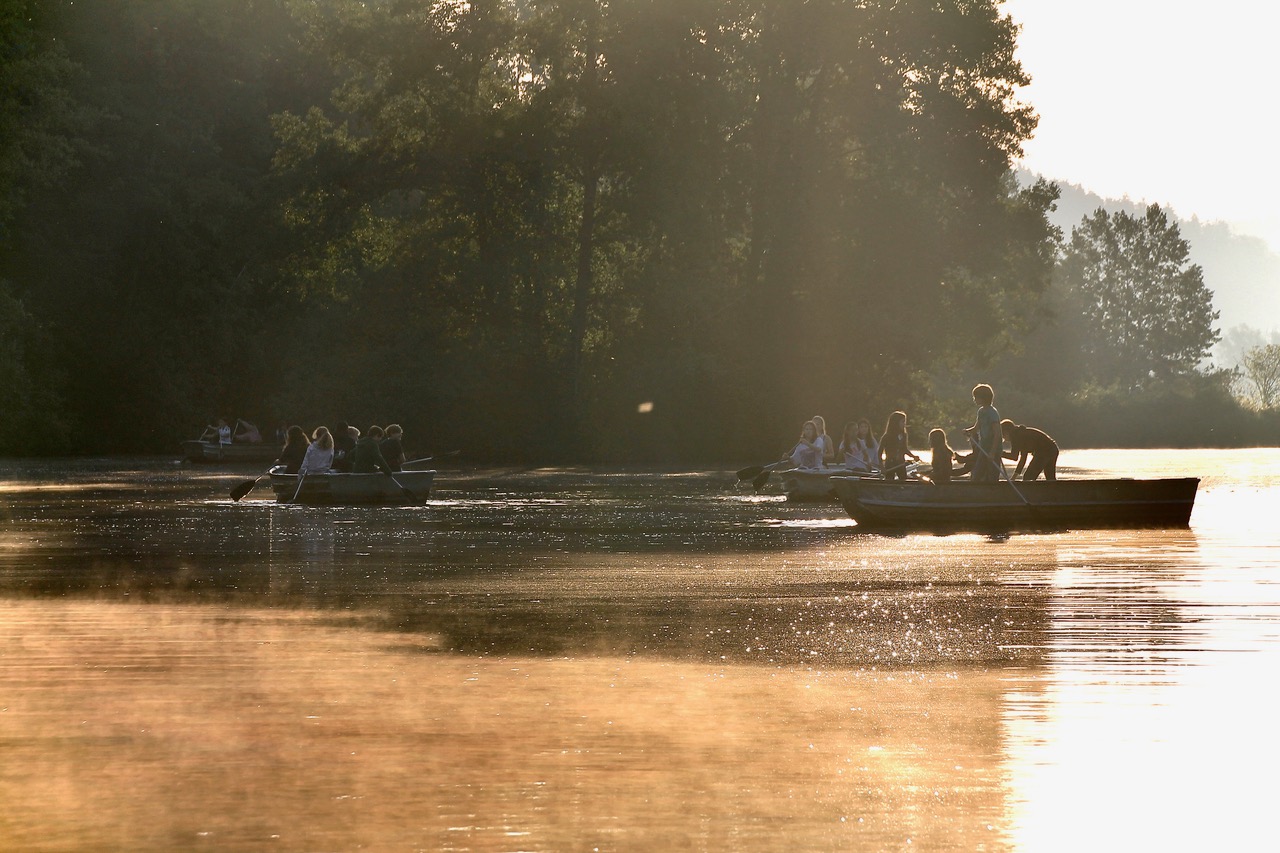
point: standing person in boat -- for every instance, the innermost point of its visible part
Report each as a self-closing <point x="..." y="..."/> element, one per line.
<point x="343" y="444"/>
<point x="825" y="441"/>
<point x="808" y="452"/>
<point x="943" y="456"/>
<point x="1031" y="447"/>
<point x="858" y="450"/>
<point x="295" y="450"/>
<point x="366" y="458"/>
<point x="319" y="456"/>
<point x="985" y="434"/>
<point x="392" y="448"/>
<point x="895" y="447"/>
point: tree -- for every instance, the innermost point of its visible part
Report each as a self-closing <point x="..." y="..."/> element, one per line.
<point x="1145" y="310"/>
<point x="1261" y="371"/>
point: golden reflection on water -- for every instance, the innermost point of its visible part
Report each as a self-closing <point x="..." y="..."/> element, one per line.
<point x="561" y="660"/>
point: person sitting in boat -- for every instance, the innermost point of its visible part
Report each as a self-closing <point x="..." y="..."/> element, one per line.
<point x="365" y="457"/>
<point x="1031" y="447"/>
<point x="858" y="450"/>
<point x="824" y="441"/>
<point x="943" y="457"/>
<point x="808" y="452"/>
<point x="985" y="434"/>
<point x="319" y="456"/>
<point x="392" y="448"/>
<point x="247" y="433"/>
<point x="895" y="448"/>
<point x="294" y="451"/>
<point x="343" y="444"/>
<point x="221" y="432"/>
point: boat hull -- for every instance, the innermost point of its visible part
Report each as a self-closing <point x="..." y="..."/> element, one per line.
<point x="213" y="452"/>
<point x="335" y="489"/>
<point x="812" y="485"/>
<point x="1041" y="504"/>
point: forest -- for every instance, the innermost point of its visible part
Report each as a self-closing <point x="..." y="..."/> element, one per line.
<point x="559" y="231"/>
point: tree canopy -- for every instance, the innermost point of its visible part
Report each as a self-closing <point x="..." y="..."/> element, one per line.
<point x="531" y="229"/>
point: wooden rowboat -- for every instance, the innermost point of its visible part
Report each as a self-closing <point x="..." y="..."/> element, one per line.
<point x="214" y="452"/>
<point x="334" y="489"/>
<point x="998" y="506"/>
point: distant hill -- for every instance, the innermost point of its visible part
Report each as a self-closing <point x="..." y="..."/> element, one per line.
<point x="1242" y="271"/>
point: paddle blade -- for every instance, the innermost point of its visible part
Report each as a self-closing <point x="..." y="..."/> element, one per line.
<point x="750" y="472"/>
<point x="760" y="480"/>
<point x="243" y="489"/>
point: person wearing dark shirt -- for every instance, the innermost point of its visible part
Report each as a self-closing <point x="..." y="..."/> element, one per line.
<point x="1031" y="447"/>
<point x="391" y="447"/>
<point x="343" y="444"/>
<point x="295" y="450"/>
<point x="365" y="457"/>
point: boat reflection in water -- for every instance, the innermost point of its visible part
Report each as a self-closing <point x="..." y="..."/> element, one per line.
<point x="577" y="659"/>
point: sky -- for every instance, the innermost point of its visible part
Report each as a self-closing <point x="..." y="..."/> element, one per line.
<point x="1166" y="101"/>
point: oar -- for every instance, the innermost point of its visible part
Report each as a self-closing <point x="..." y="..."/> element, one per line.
<point x="247" y="486"/>
<point x="403" y="489"/>
<point x="438" y="456"/>
<point x="1000" y="467"/>
<point x="758" y="481"/>
<point x="302" y="476"/>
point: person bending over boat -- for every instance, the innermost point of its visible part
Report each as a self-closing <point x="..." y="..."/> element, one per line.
<point x="808" y="452"/>
<point x="392" y="449"/>
<point x="1031" y="447"/>
<point x="295" y="450"/>
<point x="858" y="449"/>
<point x="824" y="441"/>
<point x="943" y="456"/>
<point x="895" y="448"/>
<point x="985" y="433"/>
<point x="366" y="458"/>
<point x="319" y="458"/>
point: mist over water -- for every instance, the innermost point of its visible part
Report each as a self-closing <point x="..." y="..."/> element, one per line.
<point x="567" y="659"/>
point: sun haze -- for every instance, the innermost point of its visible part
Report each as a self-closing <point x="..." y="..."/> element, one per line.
<point x="1161" y="101"/>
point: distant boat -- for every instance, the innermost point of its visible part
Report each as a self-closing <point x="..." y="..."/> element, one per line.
<point x="335" y="489"/>
<point x="215" y="452"/>
<point x="1040" y="504"/>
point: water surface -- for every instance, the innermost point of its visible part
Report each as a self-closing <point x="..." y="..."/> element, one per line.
<point x="626" y="660"/>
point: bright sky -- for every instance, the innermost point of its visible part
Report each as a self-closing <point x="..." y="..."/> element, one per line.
<point x="1167" y="101"/>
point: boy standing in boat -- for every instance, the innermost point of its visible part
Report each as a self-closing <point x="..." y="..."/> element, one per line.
<point x="986" y="436"/>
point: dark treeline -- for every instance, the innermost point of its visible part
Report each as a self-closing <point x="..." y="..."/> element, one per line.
<point x="507" y="225"/>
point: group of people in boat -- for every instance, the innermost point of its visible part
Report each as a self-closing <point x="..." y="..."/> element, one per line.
<point x="223" y="433"/>
<point x="346" y="450"/>
<point x="860" y="451"/>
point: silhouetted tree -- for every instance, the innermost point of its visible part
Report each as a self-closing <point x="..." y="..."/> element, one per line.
<point x="1145" y="310"/>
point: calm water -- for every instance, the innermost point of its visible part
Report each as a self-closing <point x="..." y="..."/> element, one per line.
<point x="627" y="660"/>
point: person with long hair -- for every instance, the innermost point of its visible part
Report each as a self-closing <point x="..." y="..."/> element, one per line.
<point x="824" y="441"/>
<point x="895" y="448"/>
<point x="943" y="456"/>
<point x="858" y="450"/>
<point x="319" y="456"/>
<point x="294" y="451"/>
<point x="808" y="452"/>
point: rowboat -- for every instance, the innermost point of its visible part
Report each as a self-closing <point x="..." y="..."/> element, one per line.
<point x="817" y="484"/>
<point x="1003" y="505"/>
<point x="334" y="489"/>
<point x="812" y="484"/>
<point x="197" y="450"/>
